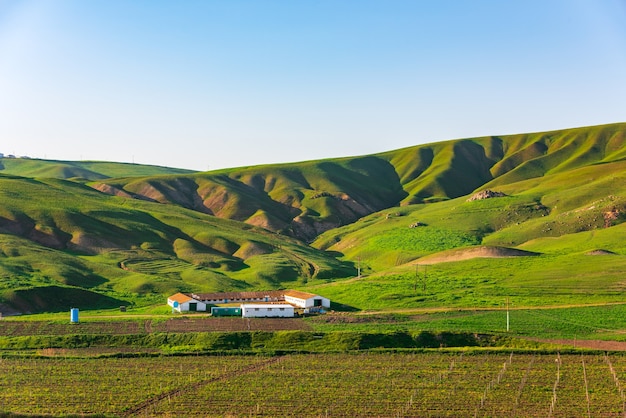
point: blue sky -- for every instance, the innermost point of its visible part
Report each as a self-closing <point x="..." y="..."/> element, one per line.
<point x="213" y="84"/>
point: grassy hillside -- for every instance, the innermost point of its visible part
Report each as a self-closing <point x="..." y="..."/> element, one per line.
<point x="306" y="199"/>
<point x="60" y="233"/>
<point x="300" y="200"/>
<point x="464" y="253"/>
<point x="584" y="199"/>
<point x="404" y="217"/>
<point x="88" y="170"/>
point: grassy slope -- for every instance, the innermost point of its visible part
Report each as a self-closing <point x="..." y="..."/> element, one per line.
<point x="301" y="200"/>
<point x="306" y="199"/>
<point x="59" y="233"/>
<point x="560" y="185"/>
<point x="560" y="216"/>
<point x="89" y="170"/>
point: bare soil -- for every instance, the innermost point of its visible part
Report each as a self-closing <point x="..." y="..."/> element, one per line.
<point x="474" y="252"/>
<point x="589" y="344"/>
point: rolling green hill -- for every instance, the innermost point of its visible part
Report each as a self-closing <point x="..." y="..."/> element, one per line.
<point x="87" y="170"/>
<point x="61" y="233"/>
<point x="110" y="234"/>
<point x="306" y="199"/>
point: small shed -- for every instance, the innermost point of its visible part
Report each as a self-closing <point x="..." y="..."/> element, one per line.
<point x="225" y="311"/>
<point x="181" y="302"/>
<point x="306" y="300"/>
<point x="267" y="310"/>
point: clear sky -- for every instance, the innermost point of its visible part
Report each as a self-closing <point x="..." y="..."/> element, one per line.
<point x="211" y="84"/>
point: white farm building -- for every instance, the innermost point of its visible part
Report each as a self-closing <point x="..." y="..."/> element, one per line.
<point x="269" y="303"/>
<point x="305" y="300"/>
<point x="267" y="310"/>
<point x="185" y="303"/>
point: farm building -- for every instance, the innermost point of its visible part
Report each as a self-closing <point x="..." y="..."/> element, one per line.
<point x="267" y="310"/>
<point x="185" y="303"/>
<point x="295" y="298"/>
<point x="305" y="300"/>
<point x="240" y="297"/>
<point x="226" y="311"/>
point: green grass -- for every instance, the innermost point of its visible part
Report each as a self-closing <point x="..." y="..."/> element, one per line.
<point x="484" y="282"/>
<point x="88" y="170"/>
<point x="602" y="322"/>
<point x="249" y="228"/>
<point x="60" y="233"/>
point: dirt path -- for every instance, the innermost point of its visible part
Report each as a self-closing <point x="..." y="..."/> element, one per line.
<point x="143" y="407"/>
<point x="590" y="344"/>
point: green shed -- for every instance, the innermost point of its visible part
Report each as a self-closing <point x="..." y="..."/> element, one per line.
<point x="225" y="311"/>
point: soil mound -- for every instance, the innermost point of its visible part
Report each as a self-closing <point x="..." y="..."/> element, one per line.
<point x="600" y="252"/>
<point x="474" y="252"/>
<point x="485" y="194"/>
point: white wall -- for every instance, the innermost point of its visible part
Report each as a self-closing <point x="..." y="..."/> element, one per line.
<point x="265" y="310"/>
<point x="184" y="307"/>
<point x="307" y="303"/>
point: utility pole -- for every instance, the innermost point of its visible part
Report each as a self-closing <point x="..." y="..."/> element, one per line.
<point x="358" y="268"/>
<point x="507" y="315"/>
<point x="417" y="277"/>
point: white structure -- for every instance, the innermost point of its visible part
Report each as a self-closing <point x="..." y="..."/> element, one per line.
<point x="297" y="298"/>
<point x="267" y="310"/>
<point x="306" y="300"/>
<point x="240" y="297"/>
<point x="184" y="303"/>
<point x="292" y="299"/>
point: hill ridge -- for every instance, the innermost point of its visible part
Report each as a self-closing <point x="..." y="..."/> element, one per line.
<point x="315" y="196"/>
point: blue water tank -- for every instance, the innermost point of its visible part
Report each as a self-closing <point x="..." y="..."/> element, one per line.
<point x="74" y="315"/>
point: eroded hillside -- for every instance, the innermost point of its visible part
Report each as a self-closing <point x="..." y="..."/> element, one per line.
<point x="303" y="200"/>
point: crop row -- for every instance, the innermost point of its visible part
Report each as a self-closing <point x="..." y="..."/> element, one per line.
<point x="338" y="385"/>
<point x="101" y="386"/>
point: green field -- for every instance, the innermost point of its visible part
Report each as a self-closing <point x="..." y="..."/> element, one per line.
<point x="454" y="384"/>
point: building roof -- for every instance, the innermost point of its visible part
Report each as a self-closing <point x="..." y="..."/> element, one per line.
<point x="272" y="294"/>
<point x="180" y="298"/>
<point x="267" y="296"/>
<point x="299" y="294"/>
<point x="267" y="305"/>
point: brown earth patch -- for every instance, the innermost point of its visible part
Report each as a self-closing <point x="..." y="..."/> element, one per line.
<point x="346" y="318"/>
<point x="474" y="252"/>
<point x="112" y="190"/>
<point x="600" y="252"/>
<point x="485" y="194"/>
<point x="588" y="344"/>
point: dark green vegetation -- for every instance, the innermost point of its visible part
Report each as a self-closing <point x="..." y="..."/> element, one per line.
<point x="97" y="235"/>
<point x="437" y="384"/>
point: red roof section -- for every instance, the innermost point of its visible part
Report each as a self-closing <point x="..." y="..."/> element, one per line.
<point x="233" y="296"/>
<point x="180" y="298"/>
<point x="299" y="294"/>
<point x="261" y="296"/>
